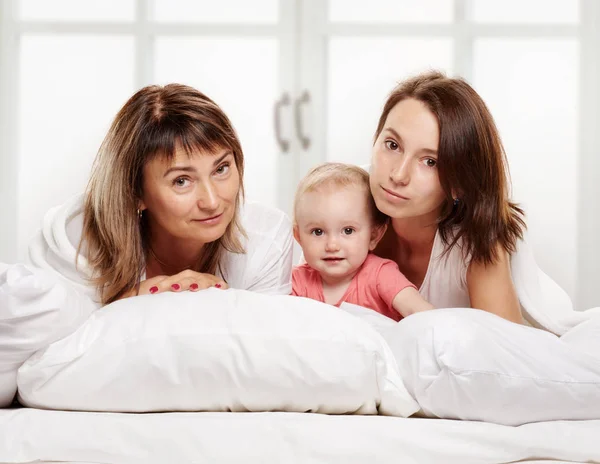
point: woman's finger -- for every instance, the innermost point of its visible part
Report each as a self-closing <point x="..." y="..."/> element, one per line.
<point x="187" y="280"/>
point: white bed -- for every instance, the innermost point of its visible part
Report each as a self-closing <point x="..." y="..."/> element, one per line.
<point x="241" y="351"/>
<point x="30" y="435"/>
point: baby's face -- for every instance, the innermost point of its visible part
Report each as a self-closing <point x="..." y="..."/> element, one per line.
<point x="334" y="229"/>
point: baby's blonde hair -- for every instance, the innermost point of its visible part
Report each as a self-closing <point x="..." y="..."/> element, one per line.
<point x="339" y="175"/>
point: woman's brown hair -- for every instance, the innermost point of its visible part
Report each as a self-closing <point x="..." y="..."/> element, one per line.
<point x="155" y="121"/>
<point x="471" y="164"/>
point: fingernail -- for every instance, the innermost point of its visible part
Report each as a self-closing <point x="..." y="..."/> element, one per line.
<point x="153" y="289"/>
<point x="175" y="287"/>
<point x="218" y="285"/>
<point x="194" y="286"/>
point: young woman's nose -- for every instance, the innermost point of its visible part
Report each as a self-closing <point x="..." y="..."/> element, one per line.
<point x="207" y="196"/>
<point x="400" y="174"/>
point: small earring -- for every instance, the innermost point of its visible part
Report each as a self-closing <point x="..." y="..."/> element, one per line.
<point x="139" y="213"/>
<point x="456" y="201"/>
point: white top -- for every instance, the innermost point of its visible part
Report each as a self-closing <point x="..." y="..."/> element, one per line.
<point x="265" y="267"/>
<point x="445" y="283"/>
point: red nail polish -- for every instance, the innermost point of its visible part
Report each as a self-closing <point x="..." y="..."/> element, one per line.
<point x="175" y="286"/>
<point x="218" y="285"/>
<point x="194" y="286"/>
<point x="153" y="289"/>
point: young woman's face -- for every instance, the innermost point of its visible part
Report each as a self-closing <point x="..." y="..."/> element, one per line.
<point x="191" y="198"/>
<point x="404" y="177"/>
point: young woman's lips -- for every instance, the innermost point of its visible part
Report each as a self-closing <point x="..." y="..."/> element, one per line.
<point x="211" y="220"/>
<point x="391" y="195"/>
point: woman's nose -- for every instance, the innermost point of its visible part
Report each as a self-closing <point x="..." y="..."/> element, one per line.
<point x="400" y="174"/>
<point x="207" y="197"/>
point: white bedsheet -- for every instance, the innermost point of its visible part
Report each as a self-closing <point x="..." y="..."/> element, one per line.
<point x="28" y="435"/>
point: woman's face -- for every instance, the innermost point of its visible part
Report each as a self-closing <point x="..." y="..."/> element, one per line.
<point x="191" y="198"/>
<point x="404" y="177"/>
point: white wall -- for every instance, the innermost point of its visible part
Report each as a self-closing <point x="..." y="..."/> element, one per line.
<point x="536" y="80"/>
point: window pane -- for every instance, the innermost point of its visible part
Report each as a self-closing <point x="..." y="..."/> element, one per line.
<point x="70" y="89"/>
<point x="73" y="10"/>
<point x="526" y="11"/>
<point x="362" y="72"/>
<point x="531" y="88"/>
<point x="402" y="11"/>
<point x="240" y="75"/>
<point x="209" y="11"/>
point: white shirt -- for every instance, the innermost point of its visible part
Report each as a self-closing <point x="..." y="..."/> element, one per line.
<point x="445" y="282"/>
<point x="265" y="267"/>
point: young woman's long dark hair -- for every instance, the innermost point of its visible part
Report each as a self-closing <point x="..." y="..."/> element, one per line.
<point x="471" y="163"/>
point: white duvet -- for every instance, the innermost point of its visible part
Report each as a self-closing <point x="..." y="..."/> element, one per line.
<point x="236" y="351"/>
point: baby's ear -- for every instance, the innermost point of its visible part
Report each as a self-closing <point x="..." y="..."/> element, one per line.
<point x="376" y="235"/>
<point x="296" y="233"/>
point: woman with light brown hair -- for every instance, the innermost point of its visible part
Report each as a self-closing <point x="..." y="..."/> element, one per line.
<point x="164" y="209"/>
<point x="439" y="171"/>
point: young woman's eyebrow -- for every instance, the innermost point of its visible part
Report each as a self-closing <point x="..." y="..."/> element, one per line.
<point x="393" y="132"/>
<point x="427" y="151"/>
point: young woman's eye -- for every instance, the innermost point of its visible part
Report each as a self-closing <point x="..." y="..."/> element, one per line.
<point x="223" y="169"/>
<point x="181" y="182"/>
<point x="391" y="145"/>
<point x="430" y="162"/>
<point x="317" y="232"/>
<point x="348" y="231"/>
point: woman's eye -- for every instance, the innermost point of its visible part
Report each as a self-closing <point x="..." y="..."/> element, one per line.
<point x="391" y="145"/>
<point x="180" y="182"/>
<point x="430" y="162"/>
<point x="317" y="232"/>
<point x="348" y="231"/>
<point x="222" y="169"/>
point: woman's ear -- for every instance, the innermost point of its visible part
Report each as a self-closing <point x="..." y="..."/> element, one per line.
<point x="376" y="235"/>
<point x="456" y="193"/>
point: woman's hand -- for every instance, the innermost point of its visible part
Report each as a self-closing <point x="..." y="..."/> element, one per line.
<point x="185" y="280"/>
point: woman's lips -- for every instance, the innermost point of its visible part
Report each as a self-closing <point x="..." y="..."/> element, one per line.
<point x="211" y="220"/>
<point x="390" y="194"/>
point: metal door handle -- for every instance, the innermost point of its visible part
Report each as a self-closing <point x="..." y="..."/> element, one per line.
<point x="302" y="99"/>
<point x="284" y="145"/>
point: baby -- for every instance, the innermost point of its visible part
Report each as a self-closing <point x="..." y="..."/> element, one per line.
<point x="337" y="225"/>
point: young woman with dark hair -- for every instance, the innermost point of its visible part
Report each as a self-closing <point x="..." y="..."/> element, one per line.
<point x="439" y="171"/>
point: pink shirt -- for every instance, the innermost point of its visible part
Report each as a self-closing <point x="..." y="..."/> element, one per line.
<point x="374" y="286"/>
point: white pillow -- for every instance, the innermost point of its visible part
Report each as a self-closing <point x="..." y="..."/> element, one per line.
<point x="36" y="309"/>
<point x="378" y="321"/>
<point x="218" y="350"/>
<point x="470" y="364"/>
